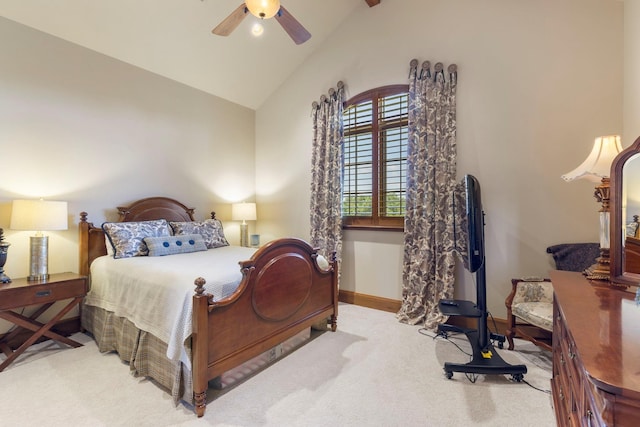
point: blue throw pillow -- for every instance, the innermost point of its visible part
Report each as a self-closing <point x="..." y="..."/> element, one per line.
<point x="170" y="245"/>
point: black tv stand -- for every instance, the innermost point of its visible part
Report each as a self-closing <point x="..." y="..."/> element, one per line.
<point x="485" y="359"/>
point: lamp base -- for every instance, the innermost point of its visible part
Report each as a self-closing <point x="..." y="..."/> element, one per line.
<point x="38" y="266"/>
<point x="244" y="234"/>
<point x="600" y="270"/>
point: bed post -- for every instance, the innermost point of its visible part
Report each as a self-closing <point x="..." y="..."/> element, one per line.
<point x="334" y="289"/>
<point x="199" y="348"/>
<point x="83" y="268"/>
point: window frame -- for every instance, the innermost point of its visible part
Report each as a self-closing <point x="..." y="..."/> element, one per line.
<point x="375" y="221"/>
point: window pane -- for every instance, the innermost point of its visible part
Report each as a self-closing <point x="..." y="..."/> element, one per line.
<point x="375" y="154"/>
<point x="394" y="108"/>
<point x="357" y="186"/>
<point x="357" y="116"/>
<point x="394" y="173"/>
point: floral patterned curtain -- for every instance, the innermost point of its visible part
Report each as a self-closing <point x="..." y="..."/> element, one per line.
<point x="429" y="246"/>
<point x="326" y="170"/>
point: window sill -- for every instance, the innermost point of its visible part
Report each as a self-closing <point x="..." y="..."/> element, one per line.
<point x="373" y="227"/>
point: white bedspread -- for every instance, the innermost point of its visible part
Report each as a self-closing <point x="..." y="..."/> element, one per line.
<point x="155" y="293"/>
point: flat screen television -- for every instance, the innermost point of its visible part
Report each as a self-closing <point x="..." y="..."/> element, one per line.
<point x="469" y="223"/>
<point x="469" y="238"/>
<point x="475" y="223"/>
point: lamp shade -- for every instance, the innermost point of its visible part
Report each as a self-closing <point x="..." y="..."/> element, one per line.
<point x="598" y="163"/>
<point x="243" y="212"/>
<point x="263" y="8"/>
<point x="39" y="215"/>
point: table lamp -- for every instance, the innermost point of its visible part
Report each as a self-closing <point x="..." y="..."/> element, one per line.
<point x="39" y="216"/>
<point x="243" y="212"/>
<point x="597" y="168"/>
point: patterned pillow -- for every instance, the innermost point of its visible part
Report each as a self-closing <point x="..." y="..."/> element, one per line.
<point x="108" y="244"/>
<point x="170" y="245"/>
<point x="210" y="230"/>
<point x="127" y="238"/>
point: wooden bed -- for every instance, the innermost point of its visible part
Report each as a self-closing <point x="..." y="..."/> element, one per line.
<point x="283" y="291"/>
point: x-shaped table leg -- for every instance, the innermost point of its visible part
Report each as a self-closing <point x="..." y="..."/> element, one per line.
<point x="38" y="328"/>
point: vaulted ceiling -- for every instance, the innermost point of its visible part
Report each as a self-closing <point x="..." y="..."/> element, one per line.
<point x="173" y="38"/>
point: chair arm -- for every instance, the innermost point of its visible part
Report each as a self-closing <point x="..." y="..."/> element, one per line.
<point x="530" y="291"/>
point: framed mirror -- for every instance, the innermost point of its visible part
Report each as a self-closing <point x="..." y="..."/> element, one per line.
<point x="625" y="214"/>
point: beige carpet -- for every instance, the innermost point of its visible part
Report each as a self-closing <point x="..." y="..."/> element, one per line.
<point x="373" y="372"/>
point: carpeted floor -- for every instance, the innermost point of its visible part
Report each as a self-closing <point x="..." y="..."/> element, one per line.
<point x="373" y="371"/>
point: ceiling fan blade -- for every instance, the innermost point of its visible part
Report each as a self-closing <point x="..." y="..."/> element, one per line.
<point x="295" y="30"/>
<point x="231" y="22"/>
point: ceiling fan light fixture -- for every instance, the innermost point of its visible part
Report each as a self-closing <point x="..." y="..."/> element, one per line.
<point x="257" y="29"/>
<point x="263" y="9"/>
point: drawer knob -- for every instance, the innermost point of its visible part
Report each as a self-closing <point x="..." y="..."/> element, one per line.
<point x="41" y="294"/>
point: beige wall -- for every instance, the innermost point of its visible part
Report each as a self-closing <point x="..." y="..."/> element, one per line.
<point x="631" y="129"/>
<point x="538" y="81"/>
<point x="78" y="126"/>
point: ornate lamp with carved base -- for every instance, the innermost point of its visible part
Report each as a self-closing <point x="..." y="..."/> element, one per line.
<point x="600" y="270"/>
<point x="597" y="168"/>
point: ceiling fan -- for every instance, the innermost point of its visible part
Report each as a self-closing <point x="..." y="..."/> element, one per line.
<point x="264" y="9"/>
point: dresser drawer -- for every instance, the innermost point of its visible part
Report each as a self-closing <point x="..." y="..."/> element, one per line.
<point x="42" y="293"/>
<point x="593" y="406"/>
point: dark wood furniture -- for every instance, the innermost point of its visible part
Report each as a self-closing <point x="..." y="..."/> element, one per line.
<point x="628" y="158"/>
<point x="596" y="353"/>
<point x="22" y="293"/>
<point x="632" y="255"/>
<point x="283" y="292"/>
<point x="519" y="327"/>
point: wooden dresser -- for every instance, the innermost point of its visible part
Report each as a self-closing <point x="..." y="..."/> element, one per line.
<point x="596" y="353"/>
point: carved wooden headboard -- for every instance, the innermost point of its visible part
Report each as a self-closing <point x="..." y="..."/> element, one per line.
<point x="92" y="243"/>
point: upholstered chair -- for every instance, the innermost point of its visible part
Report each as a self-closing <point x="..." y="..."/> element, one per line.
<point x="530" y="303"/>
<point x="530" y="312"/>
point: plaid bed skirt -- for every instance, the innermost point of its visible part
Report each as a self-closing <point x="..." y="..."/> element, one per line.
<point x="144" y="352"/>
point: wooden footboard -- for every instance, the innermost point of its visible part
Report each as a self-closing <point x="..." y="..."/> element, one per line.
<point x="283" y="291"/>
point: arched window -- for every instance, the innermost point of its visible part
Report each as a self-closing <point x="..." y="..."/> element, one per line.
<point x="375" y="158"/>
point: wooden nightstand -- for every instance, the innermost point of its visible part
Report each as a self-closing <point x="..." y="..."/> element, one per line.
<point x="21" y="293"/>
